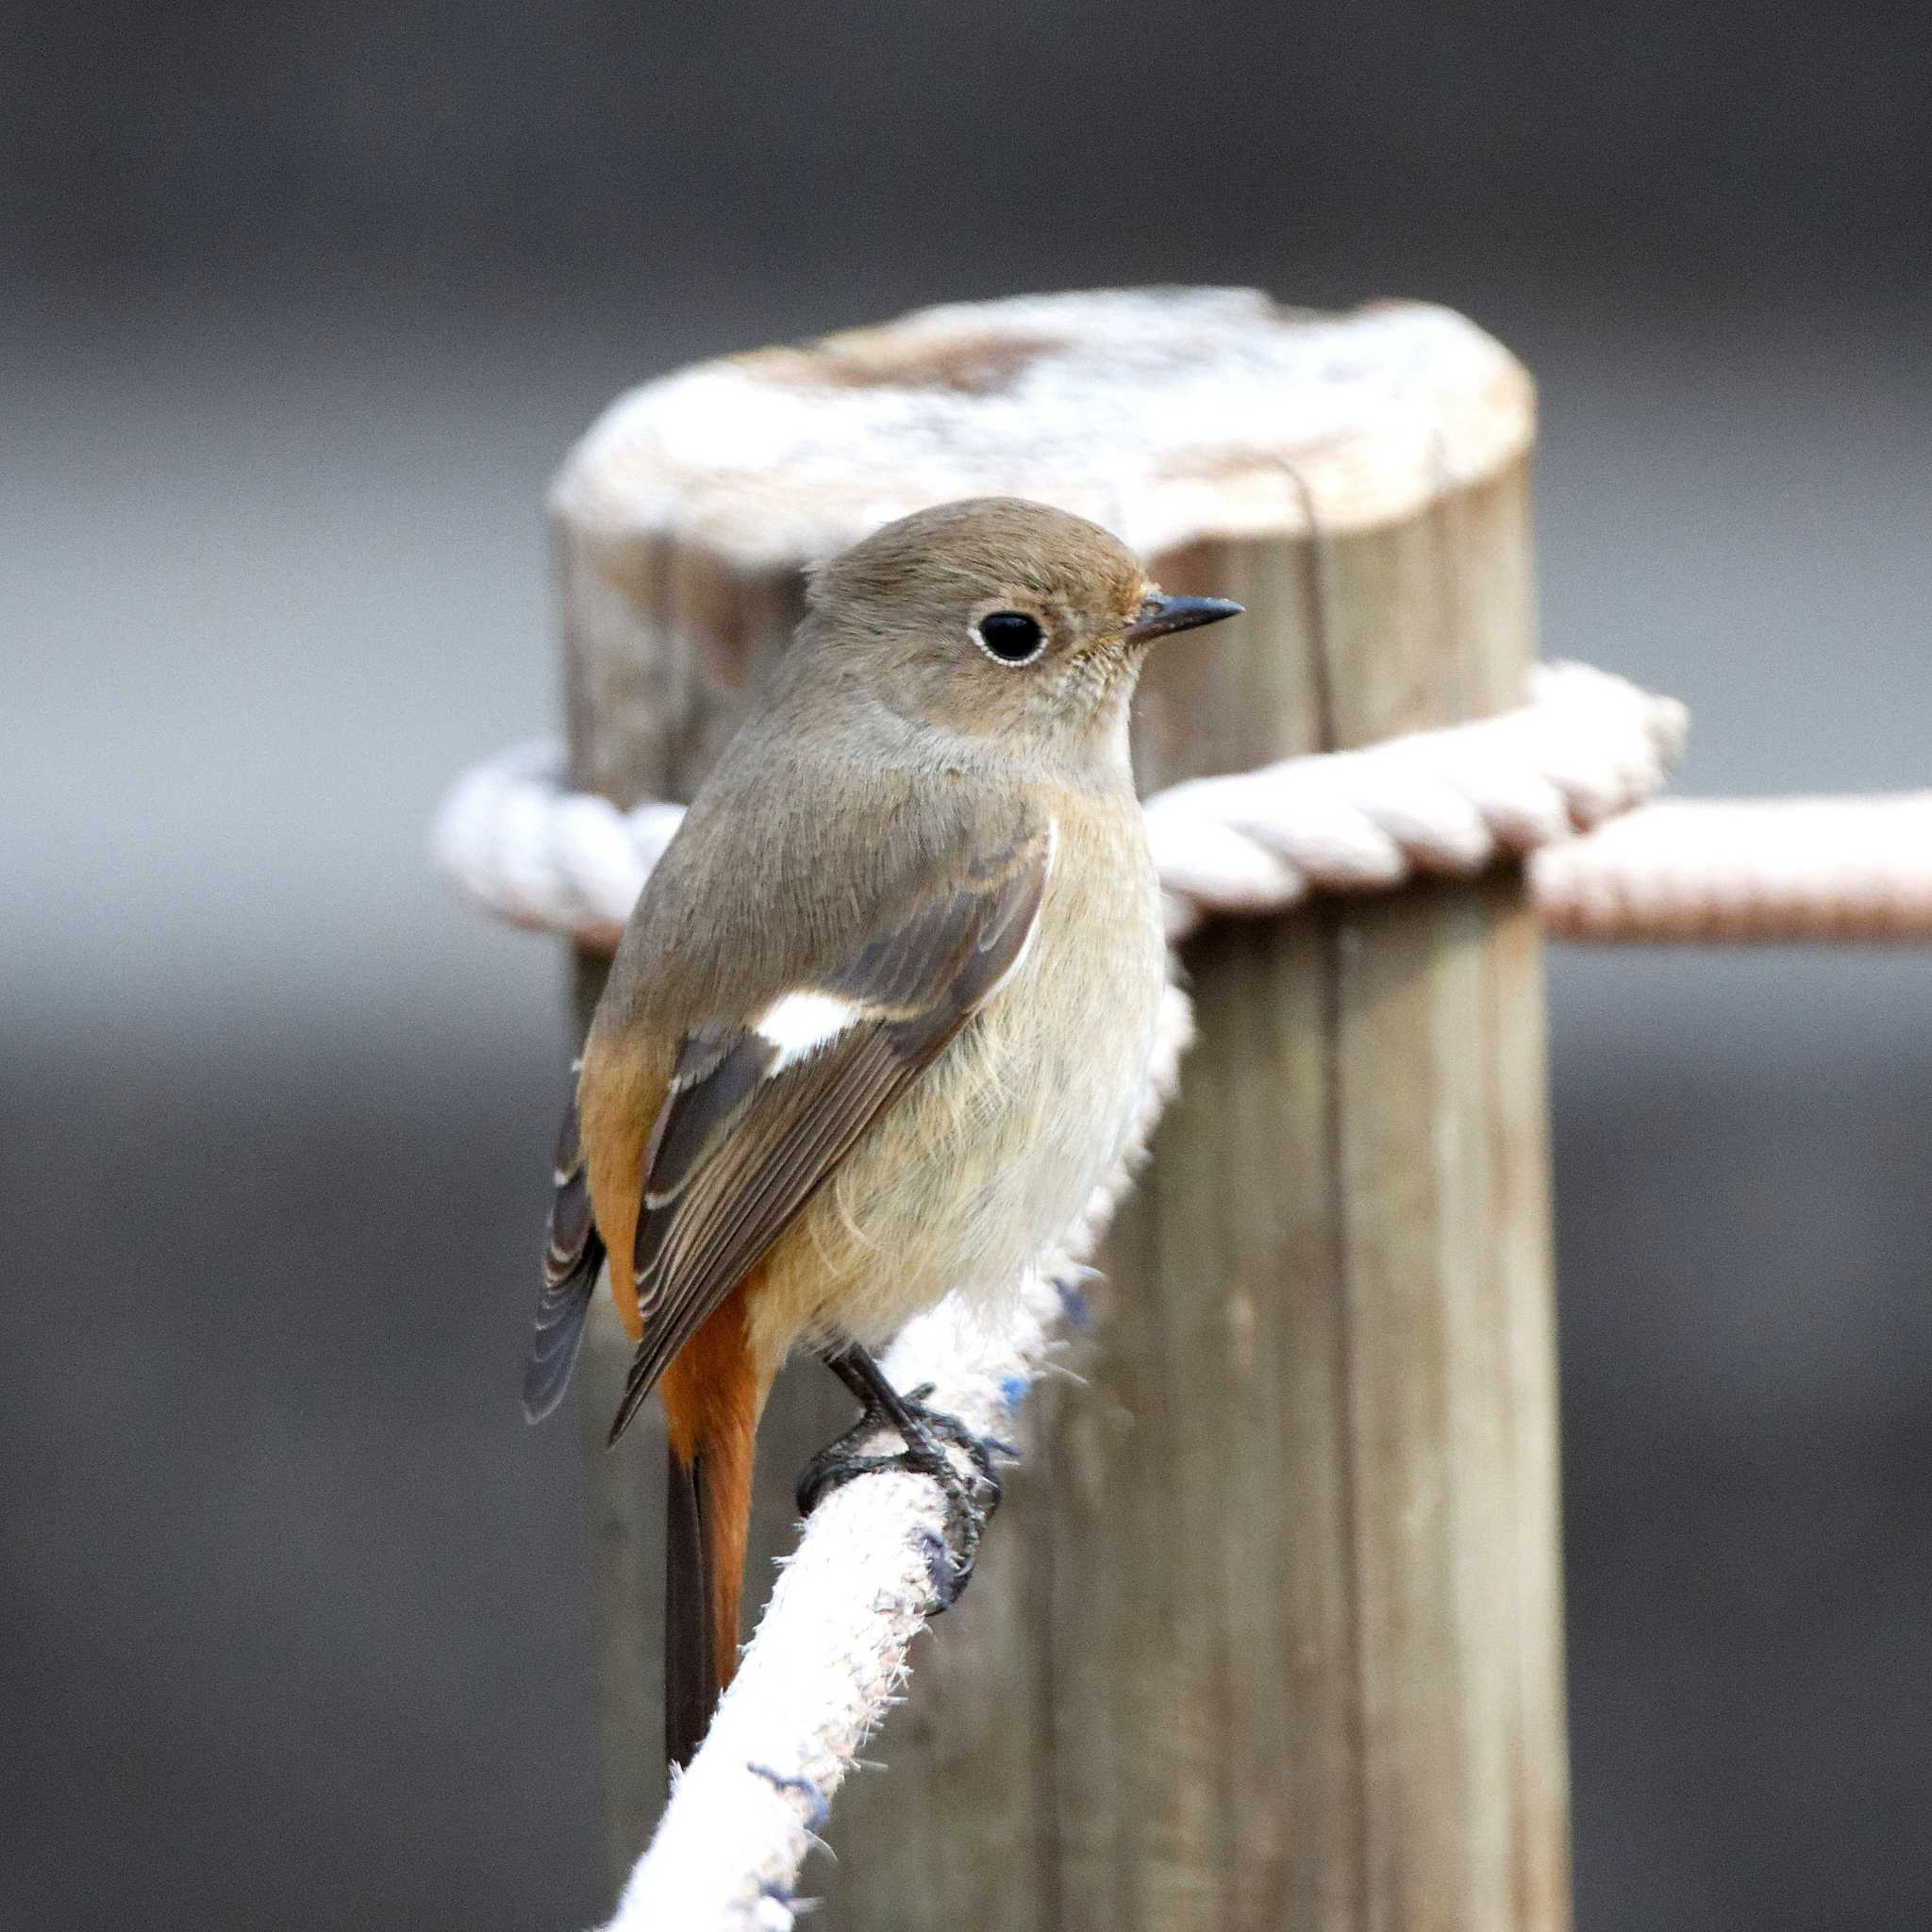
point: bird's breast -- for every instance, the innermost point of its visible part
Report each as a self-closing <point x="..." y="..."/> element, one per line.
<point x="993" y="1152"/>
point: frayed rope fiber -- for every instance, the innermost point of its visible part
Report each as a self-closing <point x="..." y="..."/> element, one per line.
<point x="829" y="1654"/>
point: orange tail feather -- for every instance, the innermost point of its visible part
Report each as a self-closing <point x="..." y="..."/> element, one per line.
<point x="712" y="1401"/>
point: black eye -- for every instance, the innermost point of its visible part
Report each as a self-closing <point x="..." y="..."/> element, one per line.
<point x="1010" y="635"/>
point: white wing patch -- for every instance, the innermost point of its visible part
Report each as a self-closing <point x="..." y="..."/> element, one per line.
<point x="799" y="1024"/>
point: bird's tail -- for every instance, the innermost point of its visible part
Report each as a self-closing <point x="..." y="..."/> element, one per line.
<point x="711" y="1403"/>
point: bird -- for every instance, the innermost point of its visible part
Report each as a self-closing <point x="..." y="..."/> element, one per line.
<point x="876" y="1026"/>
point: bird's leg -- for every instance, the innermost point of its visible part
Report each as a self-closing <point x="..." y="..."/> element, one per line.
<point x="929" y="1436"/>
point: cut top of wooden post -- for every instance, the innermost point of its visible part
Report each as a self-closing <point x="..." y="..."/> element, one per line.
<point x="1168" y="415"/>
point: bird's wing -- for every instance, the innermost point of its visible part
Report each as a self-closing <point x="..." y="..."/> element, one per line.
<point x="571" y="1260"/>
<point x="760" y="1112"/>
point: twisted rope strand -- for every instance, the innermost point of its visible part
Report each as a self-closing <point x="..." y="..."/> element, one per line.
<point x="1447" y="802"/>
<point x="1588" y="745"/>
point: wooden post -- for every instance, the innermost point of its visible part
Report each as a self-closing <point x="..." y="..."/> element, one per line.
<point x="1268" y="1633"/>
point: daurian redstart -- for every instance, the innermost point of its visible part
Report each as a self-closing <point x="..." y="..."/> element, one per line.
<point x="879" y="1021"/>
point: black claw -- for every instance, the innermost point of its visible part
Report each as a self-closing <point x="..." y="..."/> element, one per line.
<point x="971" y="1495"/>
<point x="832" y="1469"/>
<point x="943" y="1572"/>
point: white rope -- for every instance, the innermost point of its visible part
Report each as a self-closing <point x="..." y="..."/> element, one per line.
<point x="830" y="1650"/>
<point x="830" y="1655"/>
<point x="1734" y="868"/>
<point x="1587" y="746"/>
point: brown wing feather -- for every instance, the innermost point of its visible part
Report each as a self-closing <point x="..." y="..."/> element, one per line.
<point x="740" y="1148"/>
<point x="571" y="1257"/>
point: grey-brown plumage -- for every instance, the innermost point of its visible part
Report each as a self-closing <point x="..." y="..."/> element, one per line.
<point x="572" y="1259"/>
<point x="883" y="1013"/>
<point x="744" y="1138"/>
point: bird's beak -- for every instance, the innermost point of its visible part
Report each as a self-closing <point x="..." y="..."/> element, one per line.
<point x="1159" y="615"/>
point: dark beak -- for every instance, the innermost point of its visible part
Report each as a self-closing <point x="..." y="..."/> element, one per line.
<point x="1160" y="615"/>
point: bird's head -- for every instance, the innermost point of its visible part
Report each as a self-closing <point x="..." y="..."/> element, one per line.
<point x="999" y="619"/>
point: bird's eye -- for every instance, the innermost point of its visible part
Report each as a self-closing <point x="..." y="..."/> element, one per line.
<point x="1010" y="635"/>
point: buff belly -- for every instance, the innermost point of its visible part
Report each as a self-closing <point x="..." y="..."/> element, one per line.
<point x="987" y="1160"/>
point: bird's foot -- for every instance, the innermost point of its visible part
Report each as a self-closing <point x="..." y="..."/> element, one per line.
<point x="931" y="1438"/>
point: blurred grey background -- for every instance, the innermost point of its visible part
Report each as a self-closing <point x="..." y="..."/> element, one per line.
<point x="302" y="305"/>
